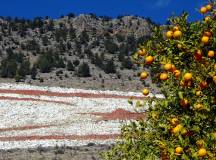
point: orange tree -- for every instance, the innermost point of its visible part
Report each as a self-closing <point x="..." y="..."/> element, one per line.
<point x="181" y="57"/>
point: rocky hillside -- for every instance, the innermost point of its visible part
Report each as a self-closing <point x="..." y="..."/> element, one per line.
<point x="82" y="51"/>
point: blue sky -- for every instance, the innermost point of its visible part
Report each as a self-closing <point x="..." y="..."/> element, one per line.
<point x="157" y="10"/>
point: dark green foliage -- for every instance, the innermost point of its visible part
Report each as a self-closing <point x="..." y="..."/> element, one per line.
<point x="120" y="37"/>
<point x="37" y="22"/>
<point x="61" y="33"/>
<point x="110" y="67"/>
<point x="71" y="15"/>
<point x="18" y="57"/>
<point x="70" y="66"/>
<point x="48" y="60"/>
<point x="33" y="72"/>
<point x="76" y="62"/>
<point x="32" y="45"/>
<point x="45" y="64"/>
<point x="98" y="60"/>
<point x="127" y="63"/>
<point x="8" y="68"/>
<point x="24" y="68"/>
<point x="45" y="40"/>
<point x="111" y="46"/>
<point x="72" y="33"/>
<point x="14" y="64"/>
<point x="84" y="37"/>
<point x="84" y="70"/>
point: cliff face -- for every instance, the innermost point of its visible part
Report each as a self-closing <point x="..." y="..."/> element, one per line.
<point x="85" y="51"/>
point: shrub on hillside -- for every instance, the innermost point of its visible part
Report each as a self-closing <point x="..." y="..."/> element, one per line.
<point x="83" y="70"/>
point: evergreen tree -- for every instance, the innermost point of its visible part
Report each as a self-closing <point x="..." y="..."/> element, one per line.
<point x="70" y="66"/>
<point x="84" y="70"/>
<point x="126" y="63"/>
<point x="33" y="72"/>
<point x="110" y="67"/>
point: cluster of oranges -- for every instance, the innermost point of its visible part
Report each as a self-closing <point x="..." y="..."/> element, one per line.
<point x="174" y="33"/>
<point x="186" y="79"/>
<point x="178" y="128"/>
<point x="206" y="37"/>
<point x="206" y="8"/>
<point x="148" y="60"/>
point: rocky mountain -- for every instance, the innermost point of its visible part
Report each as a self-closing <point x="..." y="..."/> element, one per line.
<point x="82" y="51"/>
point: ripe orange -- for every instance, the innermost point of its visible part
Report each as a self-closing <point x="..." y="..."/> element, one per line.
<point x="203" y="10"/>
<point x="174" y="121"/>
<point x="169" y="34"/>
<point x="177" y="34"/>
<point x="202" y="152"/>
<point x="179" y="46"/>
<point x="203" y="85"/>
<point x="142" y="52"/>
<point x="214" y="135"/>
<point x="168" y="66"/>
<point x="143" y="75"/>
<point x="211" y="54"/>
<point x="176" y="28"/>
<point x="214" y="79"/>
<point x="200" y="143"/>
<point x="145" y="92"/>
<point x="205" y="39"/>
<point x="149" y="60"/>
<point x="179" y="150"/>
<point x="209" y="7"/>
<point x="198" y="55"/>
<point x="198" y="106"/>
<point x="177" y="129"/>
<point x="207" y="18"/>
<point x="207" y="33"/>
<point x="215" y="66"/>
<point x="188" y="76"/>
<point x="198" y="93"/>
<point x="184" y="131"/>
<point x="173" y="68"/>
<point x="184" y="103"/>
<point x="163" y="76"/>
<point x="177" y="73"/>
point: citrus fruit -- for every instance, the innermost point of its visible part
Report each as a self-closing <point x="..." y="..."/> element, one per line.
<point x="174" y="121"/>
<point x="184" y="103"/>
<point x="177" y="129"/>
<point x="169" y="34"/>
<point x="177" y="73"/>
<point x="202" y="152"/>
<point x="211" y="54"/>
<point x="203" y="10"/>
<point x="168" y="66"/>
<point x="177" y="34"/>
<point x="188" y="76"/>
<point x="200" y="143"/>
<point x="209" y="7"/>
<point x="143" y="75"/>
<point x="142" y="52"/>
<point x="163" y="76"/>
<point x="179" y="150"/>
<point x="145" y="92"/>
<point x="149" y="60"/>
<point x="205" y="39"/>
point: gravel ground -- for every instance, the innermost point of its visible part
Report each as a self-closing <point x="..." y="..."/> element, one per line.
<point x="89" y="152"/>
